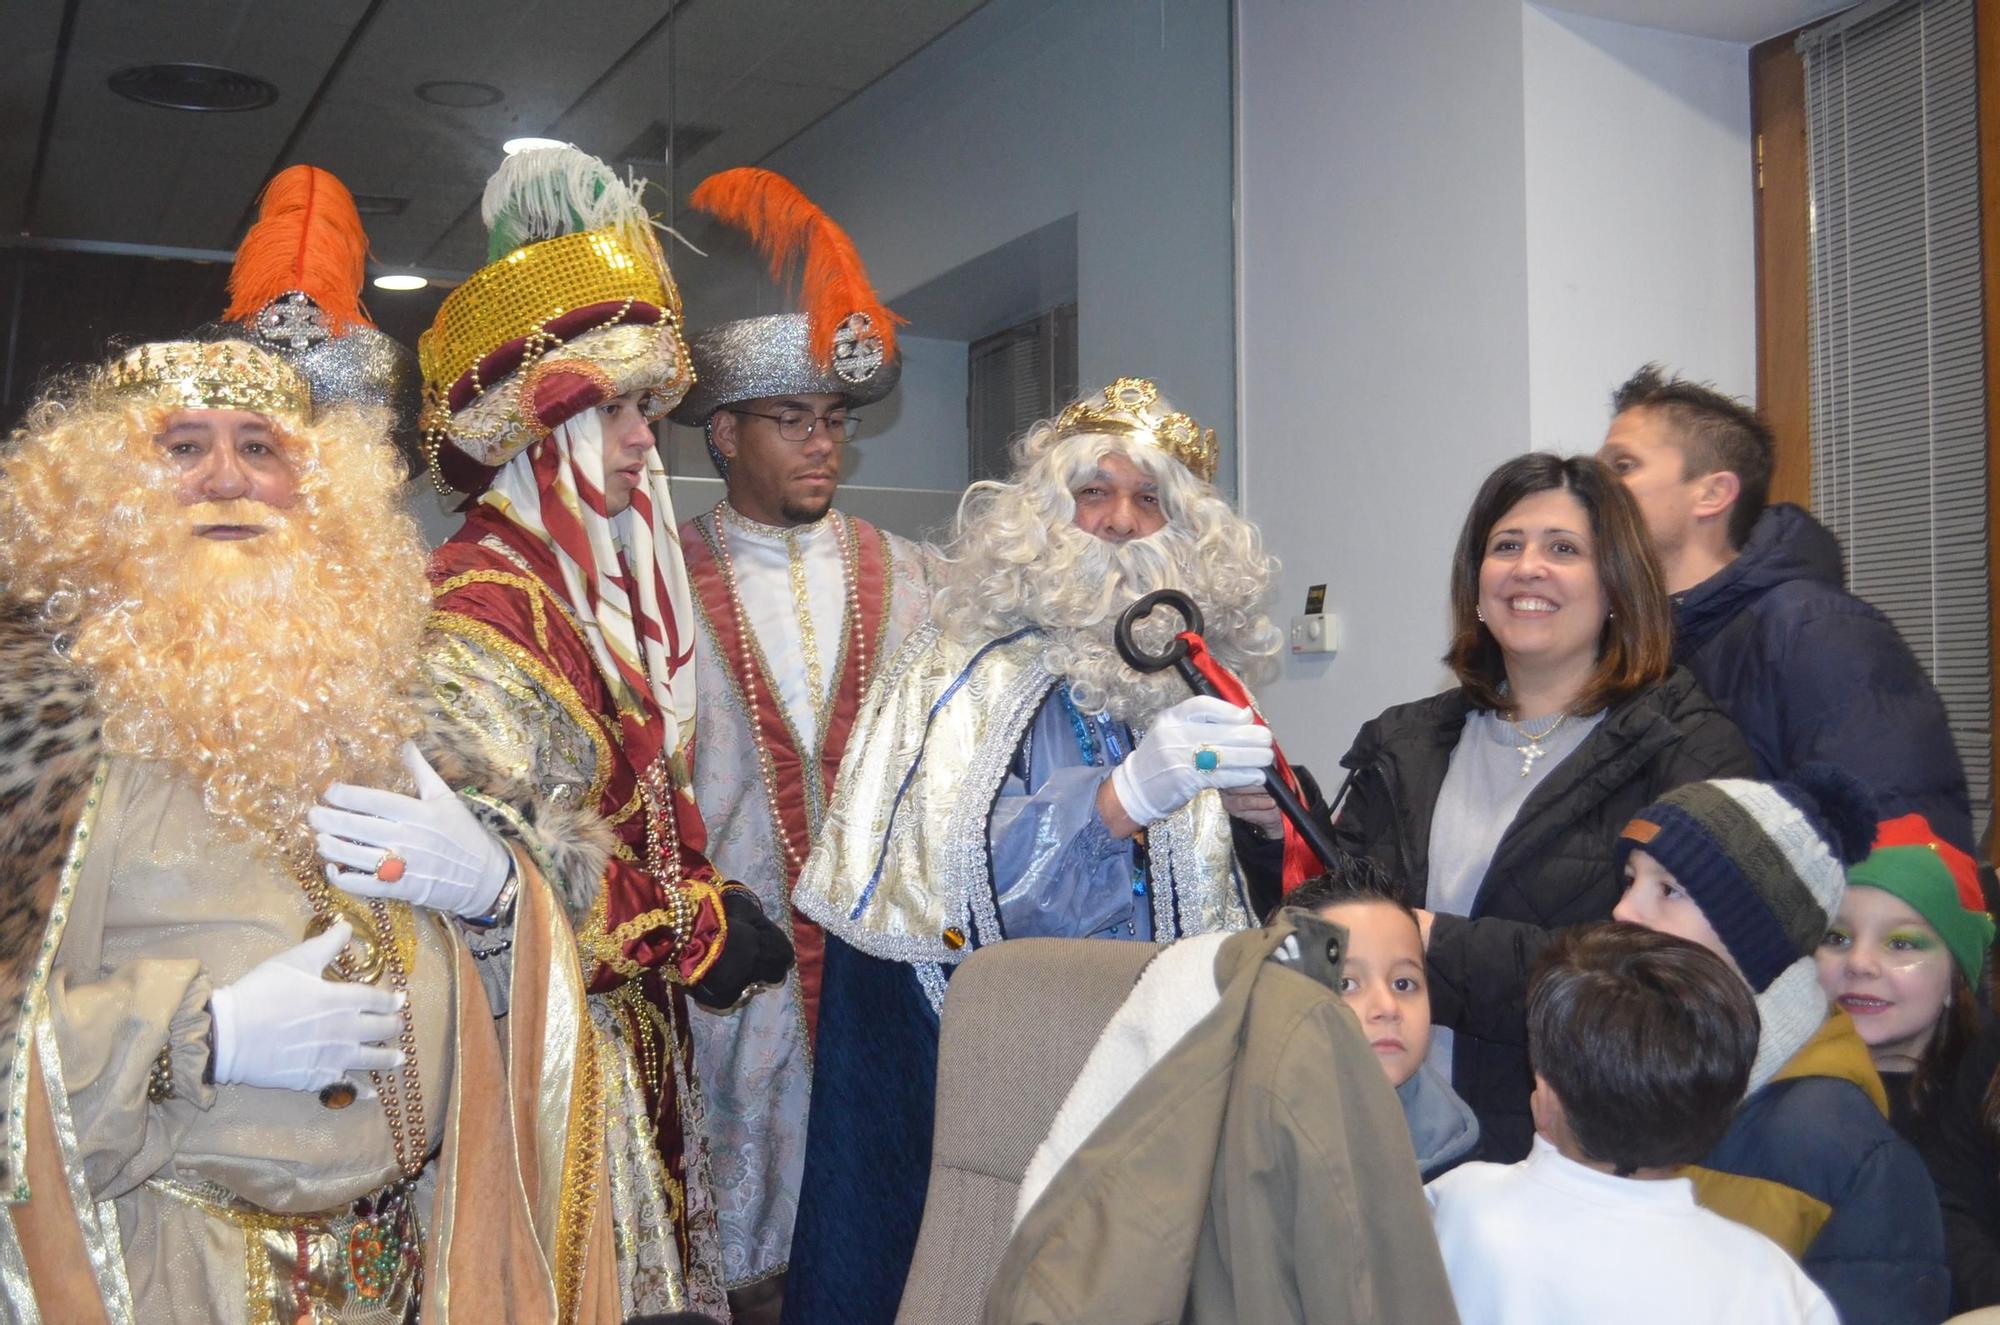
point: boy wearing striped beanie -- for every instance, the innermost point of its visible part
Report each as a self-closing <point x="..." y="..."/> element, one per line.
<point x="1754" y="872"/>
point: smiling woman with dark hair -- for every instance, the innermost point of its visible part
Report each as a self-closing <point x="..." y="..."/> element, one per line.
<point x="1498" y="801"/>
<point x="1545" y="526"/>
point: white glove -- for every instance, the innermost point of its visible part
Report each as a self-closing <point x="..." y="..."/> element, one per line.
<point x="1162" y="775"/>
<point x="285" y="1025"/>
<point x="450" y="861"/>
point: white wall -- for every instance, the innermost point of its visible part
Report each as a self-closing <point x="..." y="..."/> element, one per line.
<point x="1445" y="212"/>
<point x="1639" y="179"/>
<point x="916" y="438"/>
<point x="1384" y="315"/>
<point x="1116" y="111"/>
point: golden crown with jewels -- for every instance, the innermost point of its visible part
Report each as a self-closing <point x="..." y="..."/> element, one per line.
<point x="1130" y="408"/>
<point x="217" y="374"/>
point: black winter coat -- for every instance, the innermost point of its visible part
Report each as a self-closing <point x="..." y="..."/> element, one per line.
<point x="1964" y="1161"/>
<point x="1553" y="866"/>
<point x="1810" y="672"/>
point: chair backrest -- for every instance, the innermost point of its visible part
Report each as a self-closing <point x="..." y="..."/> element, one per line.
<point x="1019" y="1019"/>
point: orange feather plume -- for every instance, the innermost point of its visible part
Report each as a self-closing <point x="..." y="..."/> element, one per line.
<point x="784" y="224"/>
<point x="307" y="237"/>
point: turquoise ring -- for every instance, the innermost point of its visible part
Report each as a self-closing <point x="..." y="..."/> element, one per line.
<point x="1207" y="760"/>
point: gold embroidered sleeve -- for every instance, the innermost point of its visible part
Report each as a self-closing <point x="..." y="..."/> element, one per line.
<point x="499" y="727"/>
<point x="511" y="723"/>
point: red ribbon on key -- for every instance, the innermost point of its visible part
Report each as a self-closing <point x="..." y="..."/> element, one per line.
<point x="1300" y="861"/>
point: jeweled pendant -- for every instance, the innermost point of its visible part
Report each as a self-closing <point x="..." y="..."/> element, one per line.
<point x="1529" y="754"/>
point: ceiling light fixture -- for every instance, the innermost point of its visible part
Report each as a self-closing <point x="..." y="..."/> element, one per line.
<point x="396" y="280"/>
<point x="459" y="95"/>
<point x="380" y="204"/>
<point x="202" y="87"/>
<point x="513" y="145"/>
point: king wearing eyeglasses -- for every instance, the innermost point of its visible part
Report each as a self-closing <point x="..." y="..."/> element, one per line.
<point x="797" y="603"/>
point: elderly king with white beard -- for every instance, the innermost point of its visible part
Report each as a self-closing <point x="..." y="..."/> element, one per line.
<point x="1011" y="776"/>
<point x="230" y="1091"/>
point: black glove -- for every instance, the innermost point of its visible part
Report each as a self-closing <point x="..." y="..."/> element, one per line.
<point x="755" y="952"/>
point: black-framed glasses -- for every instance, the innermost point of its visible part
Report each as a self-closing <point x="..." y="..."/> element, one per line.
<point x="796" y="425"/>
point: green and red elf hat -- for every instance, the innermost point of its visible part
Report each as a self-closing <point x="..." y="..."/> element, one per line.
<point x="1940" y="883"/>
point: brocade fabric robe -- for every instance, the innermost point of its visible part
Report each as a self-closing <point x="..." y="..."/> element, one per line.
<point x="763" y="773"/>
<point x="514" y="673"/>
<point x="166" y="910"/>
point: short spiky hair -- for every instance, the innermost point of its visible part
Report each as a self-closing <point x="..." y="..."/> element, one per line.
<point x="1716" y="433"/>
<point x="1347" y="879"/>
<point x="1646" y="1039"/>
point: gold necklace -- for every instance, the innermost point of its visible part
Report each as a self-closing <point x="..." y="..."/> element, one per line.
<point x="385" y="940"/>
<point x="1530" y="744"/>
<point x="751" y="663"/>
<point x="818" y="694"/>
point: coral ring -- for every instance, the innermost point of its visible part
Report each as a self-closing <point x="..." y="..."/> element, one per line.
<point x="392" y="867"/>
<point x="1207" y="760"/>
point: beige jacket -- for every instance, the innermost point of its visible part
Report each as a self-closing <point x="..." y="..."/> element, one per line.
<point x="102" y="962"/>
<point x="1261" y="1171"/>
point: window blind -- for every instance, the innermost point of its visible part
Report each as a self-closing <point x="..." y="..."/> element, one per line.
<point x="1014" y="379"/>
<point x="1897" y="353"/>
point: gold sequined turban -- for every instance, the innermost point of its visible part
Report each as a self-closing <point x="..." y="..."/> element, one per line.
<point x="554" y="326"/>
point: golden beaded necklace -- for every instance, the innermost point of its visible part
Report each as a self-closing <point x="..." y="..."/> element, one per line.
<point x="385" y="940"/>
<point x="751" y="662"/>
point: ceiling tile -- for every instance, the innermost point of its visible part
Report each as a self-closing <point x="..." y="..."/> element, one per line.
<point x="31" y="30"/>
<point x="119" y="170"/>
<point x="596" y="72"/>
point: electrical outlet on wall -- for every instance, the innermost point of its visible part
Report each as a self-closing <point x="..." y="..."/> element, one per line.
<point x="1315" y="632"/>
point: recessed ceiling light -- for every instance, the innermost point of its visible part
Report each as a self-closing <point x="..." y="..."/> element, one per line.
<point x="397" y="280"/>
<point x="464" y="96"/>
<point x="192" y="87"/>
<point x="380" y="204"/>
<point x="513" y="145"/>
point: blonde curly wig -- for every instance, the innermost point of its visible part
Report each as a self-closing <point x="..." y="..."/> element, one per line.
<point x="263" y="669"/>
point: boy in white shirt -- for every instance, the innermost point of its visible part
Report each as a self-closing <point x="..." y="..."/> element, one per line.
<point x="1642" y="1045"/>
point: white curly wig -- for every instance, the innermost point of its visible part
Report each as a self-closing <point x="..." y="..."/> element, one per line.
<point x="1018" y="559"/>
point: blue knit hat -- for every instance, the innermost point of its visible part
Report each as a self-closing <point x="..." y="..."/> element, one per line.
<point x="1765" y="862"/>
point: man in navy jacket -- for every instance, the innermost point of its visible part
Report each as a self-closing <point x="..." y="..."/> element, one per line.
<point x="1807" y="671"/>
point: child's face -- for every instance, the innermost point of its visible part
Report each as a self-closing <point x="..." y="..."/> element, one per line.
<point x="1383" y="981"/>
<point x="1655" y="900"/>
<point x="1885" y="964"/>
